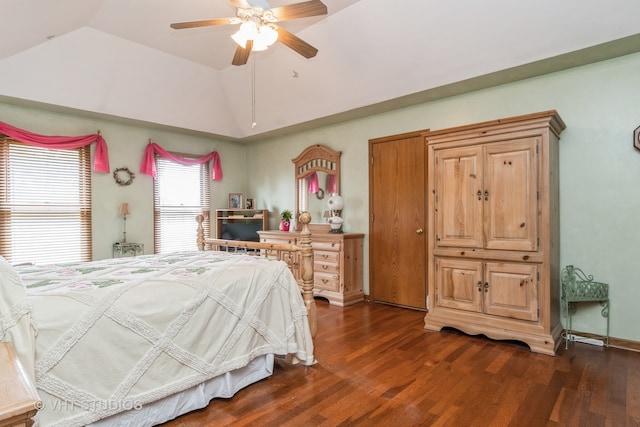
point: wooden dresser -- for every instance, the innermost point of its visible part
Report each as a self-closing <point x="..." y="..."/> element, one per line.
<point x="493" y="252"/>
<point x="19" y="400"/>
<point x="337" y="263"/>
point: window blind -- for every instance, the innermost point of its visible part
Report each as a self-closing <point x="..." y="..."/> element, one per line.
<point x="180" y="194"/>
<point x="45" y="203"/>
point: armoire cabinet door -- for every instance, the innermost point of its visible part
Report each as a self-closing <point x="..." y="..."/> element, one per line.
<point x="486" y="197"/>
<point x="511" y="290"/>
<point x="459" y="284"/>
<point x="458" y="198"/>
<point x="510" y="195"/>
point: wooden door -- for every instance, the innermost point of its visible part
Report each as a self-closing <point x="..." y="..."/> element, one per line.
<point x="511" y="183"/>
<point x="458" y="197"/>
<point x="459" y="284"/>
<point x="511" y="290"/>
<point x="397" y="227"/>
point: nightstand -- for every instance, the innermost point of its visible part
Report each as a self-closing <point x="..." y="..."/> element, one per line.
<point x="123" y="249"/>
<point x="19" y="399"/>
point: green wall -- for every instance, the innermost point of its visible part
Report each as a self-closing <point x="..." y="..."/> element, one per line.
<point x="599" y="168"/>
<point x="126" y="144"/>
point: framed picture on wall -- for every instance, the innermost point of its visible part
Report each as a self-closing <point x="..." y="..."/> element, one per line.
<point x="235" y="201"/>
<point x="636" y="138"/>
<point x="249" y="204"/>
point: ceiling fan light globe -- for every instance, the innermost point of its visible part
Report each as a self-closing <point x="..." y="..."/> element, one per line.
<point x="239" y="39"/>
<point x="266" y="37"/>
<point x="258" y="46"/>
<point x="247" y="31"/>
<point x="269" y="34"/>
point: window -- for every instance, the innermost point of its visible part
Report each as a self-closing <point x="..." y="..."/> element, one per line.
<point x="45" y="203"/>
<point x="180" y="194"/>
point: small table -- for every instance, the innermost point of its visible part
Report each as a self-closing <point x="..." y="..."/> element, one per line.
<point x="123" y="249"/>
<point x="580" y="287"/>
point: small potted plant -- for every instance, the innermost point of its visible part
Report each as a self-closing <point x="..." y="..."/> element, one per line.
<point x="286" y="216"/>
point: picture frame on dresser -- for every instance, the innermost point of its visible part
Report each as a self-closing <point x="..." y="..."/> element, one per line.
<point x="235" y="201"/>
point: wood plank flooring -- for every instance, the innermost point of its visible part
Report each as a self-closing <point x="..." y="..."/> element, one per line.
<point x="378" y="366"/>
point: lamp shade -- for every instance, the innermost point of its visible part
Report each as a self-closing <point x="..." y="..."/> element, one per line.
<point x="335" y="202"/>
<point x="124" y="209"/>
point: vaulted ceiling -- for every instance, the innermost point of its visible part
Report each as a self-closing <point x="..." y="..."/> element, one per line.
<point x="120" y="58"/>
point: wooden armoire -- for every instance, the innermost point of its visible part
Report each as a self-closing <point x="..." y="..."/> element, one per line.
<point x="493" y="254"/>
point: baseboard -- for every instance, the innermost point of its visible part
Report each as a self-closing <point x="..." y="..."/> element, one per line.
<point x="613" y="342"/>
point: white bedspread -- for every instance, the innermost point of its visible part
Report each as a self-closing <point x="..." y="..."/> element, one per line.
<point x="115" y="334"/>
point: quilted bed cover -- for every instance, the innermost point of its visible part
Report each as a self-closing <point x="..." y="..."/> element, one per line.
<point x="114" y="334"/>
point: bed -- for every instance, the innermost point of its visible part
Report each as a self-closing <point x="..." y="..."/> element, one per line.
<point x="138" y="341"/>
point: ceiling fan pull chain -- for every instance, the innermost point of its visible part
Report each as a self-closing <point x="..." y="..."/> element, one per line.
<point x="253" y="92"/>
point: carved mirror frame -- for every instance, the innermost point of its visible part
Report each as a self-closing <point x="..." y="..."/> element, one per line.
<point x="315" y="158"/>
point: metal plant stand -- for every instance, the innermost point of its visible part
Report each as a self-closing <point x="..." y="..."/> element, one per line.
<point x="579" y="287"/>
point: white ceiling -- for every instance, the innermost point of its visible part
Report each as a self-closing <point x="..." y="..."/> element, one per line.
<point x="120" y="57"/>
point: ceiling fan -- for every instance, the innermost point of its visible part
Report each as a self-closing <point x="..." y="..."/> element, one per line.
<point x="258" y="29"/>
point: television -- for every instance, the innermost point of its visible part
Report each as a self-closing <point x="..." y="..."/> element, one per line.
<point x="241" y="231"/>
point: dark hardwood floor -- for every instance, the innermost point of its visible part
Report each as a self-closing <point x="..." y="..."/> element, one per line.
<point x="378" y="366"/>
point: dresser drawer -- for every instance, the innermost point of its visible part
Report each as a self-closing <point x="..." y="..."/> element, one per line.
<point x="326" y="281"/>
<point x="326" y="267"/>
<point x="326" y="257"/>
<point x="326" y="246"/>
<point x="290" y="241"/>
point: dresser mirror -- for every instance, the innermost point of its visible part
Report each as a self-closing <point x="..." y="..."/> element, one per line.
<point x="317" y="172"/>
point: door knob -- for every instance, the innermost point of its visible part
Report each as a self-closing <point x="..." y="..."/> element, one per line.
<point x="419" y="231"/>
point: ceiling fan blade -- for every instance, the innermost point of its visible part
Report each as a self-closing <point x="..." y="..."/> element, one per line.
<point x="300" y="10"/>
<point x="195" y="24"/>
<point x="242" y="4"/>
<point x="296" y="43"/>
<point x="242" y="54"/>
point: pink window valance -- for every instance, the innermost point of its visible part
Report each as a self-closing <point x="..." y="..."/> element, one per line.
<point x="148" y="165"/>
<point x="101" y="156"/>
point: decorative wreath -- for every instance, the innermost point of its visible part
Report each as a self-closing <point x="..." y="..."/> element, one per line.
<point x="123" y="176"/>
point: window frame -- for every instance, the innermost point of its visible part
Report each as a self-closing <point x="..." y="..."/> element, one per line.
<point x="204" y="207"/>
<point x="43" y="230"/>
